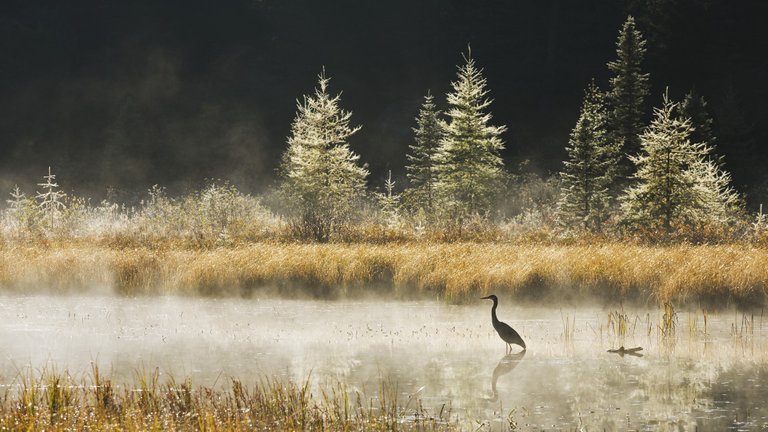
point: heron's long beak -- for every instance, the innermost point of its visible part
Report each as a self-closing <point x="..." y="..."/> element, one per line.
<point x="485" y="298"/>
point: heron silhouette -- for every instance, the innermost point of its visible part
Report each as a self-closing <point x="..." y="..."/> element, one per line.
<point x="507" y="333"/>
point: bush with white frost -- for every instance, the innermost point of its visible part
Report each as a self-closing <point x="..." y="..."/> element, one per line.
<point x="216" y="214"/>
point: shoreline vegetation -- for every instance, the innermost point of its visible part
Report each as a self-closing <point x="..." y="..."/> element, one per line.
<point x="708" y="275"/>
<point x="49" y="400"/>
<point x="641" y="213"/>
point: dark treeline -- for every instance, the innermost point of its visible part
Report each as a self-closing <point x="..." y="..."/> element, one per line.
<point x="623" y="178"/>
<point x="122" y="95"/>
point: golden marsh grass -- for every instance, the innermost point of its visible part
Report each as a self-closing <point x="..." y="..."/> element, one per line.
<point x="609" y="272"/>
<point x="54" y="401"/>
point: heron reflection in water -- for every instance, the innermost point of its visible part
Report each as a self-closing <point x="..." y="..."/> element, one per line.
<point x="507" y="333"/>
<point x="507" y="363"/>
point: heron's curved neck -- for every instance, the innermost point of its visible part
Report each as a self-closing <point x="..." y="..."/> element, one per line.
<point x="493" y="312"/>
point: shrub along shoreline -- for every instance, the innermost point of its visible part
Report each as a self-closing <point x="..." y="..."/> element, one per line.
<point x="456" y="272"/>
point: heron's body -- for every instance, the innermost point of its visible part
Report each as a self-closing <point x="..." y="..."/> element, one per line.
<point x="507" y="333"/>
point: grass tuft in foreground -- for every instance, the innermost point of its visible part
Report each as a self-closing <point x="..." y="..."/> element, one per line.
<point x="58" y="402"/>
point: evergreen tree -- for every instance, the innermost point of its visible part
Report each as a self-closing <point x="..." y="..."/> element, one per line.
<point x="22" y="211"/>
<point x="718" y="202"/>
<point x="677" y="182"/>
<point x="591" y="169"/>
<point x="50" y="201"/>
<point x="422" y="167"/>
<point x="471" y="170"/>
<point x="389" y="202"/>
<point x="17" y="201"/>
<point x="629" y="87"/>
<point x="322" y="179"/>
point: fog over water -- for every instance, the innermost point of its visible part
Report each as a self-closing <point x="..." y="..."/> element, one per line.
<point x="447" y="356"/>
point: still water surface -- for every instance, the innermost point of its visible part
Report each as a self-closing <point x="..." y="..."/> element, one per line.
<point x="447" y="357"/>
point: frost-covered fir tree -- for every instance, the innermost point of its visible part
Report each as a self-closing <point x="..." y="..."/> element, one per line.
<point x="629" y="87"/>
<point x="591" y="169"/>
<point x="51" y="200"/>
<point x="322" y="177"/>
<point x="17" y="201"/>
<point x="718" y="202"/>
<point x="389" y="202"/>
<point x="677" y="183"/>
<point x="422" y="158"/>
<point x="471" y="170"/>
<point x="21" y="210"/>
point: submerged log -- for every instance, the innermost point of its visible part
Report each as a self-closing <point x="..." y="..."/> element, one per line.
<point x="630" y="351"/>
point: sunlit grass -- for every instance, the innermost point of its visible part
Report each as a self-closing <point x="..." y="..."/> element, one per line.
<point x="48" y="400"/>
<point x="456" y="271"/>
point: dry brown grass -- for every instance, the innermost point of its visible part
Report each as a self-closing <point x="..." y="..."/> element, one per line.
<point x="620" y="272"/>
<point x="60" y="402"/>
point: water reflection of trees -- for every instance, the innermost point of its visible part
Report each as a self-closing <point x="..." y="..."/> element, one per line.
<point x="737" y="399"/>
<point x="627" y="394"/>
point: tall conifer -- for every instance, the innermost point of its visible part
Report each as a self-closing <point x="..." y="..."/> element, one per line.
<point x="629" y="87"/>
<point x="470" y="166"/>
<point x="677" y="181"/>
<point x="422" y="158"/>
<point x="591" y="168"/>
<point x="322" y="177"/>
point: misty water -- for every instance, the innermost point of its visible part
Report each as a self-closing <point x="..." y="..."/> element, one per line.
<point x="447" y="357"/>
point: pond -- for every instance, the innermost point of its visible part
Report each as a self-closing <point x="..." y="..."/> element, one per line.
<point x="696" y="370"/>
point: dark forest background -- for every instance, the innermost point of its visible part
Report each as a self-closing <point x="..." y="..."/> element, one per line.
<point x="119" y="95"/>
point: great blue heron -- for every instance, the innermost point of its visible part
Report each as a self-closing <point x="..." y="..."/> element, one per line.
<point x="507" y="333"/>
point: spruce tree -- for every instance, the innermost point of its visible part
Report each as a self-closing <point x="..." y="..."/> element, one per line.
<point x="629" y="87"/>
<point x="718" y="202"/>
<point x="471" y="170"/>
<point x="22" y="211"/>
<point x="591" y="168"/>
<point x="389" y="202"/>
<point x="17" y="201"/>
<point x="322" y="177"/>
<point x="51" y="200"/>
<point x="668" y="192"/>
<point x="422" y="159"/>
